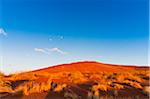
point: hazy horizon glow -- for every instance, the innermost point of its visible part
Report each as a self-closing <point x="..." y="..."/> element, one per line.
<point x="40" y="33"/>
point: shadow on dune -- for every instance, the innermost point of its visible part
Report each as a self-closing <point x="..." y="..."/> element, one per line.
<point x="54" y="95"/>
<point x="43" y="95"/>
<point x="14" y="84"/>
<point x="10" y="96"/>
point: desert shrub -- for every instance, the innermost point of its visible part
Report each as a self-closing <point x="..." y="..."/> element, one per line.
<point x="28" y="76"/>
<point x="97" y="76"/>
<point x="118" y="86"/>
<point x="87" y="75"/>
<point x="96" y="95"/>
<point x="105" y="82"/>
<point x="115" y="92"/>
<point x="133" y="84"/>
<point x="120" y="78"/>
<point x="134" y="78"/>
<point x="77" y="77"/>
<point x="4" y="89"/>
<point x="60" y="87"/>
<point x="99" y="87"/>
<point x="115" y="88"/>
<point x="128" y="76"/>
<point x="90" y="95"/>
<point x="5" y="83"/>
<point x="111" y="76"/>
<point x="5" y="86"/>
<point x="70" y="95"/>
<point x="146" y="90"/>
<point x="34" y="87"/>
<point x="136" y="85"/>
<point x="53" y="85"/>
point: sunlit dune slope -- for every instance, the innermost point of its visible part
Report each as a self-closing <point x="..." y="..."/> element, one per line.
<point x="87" y="66"/>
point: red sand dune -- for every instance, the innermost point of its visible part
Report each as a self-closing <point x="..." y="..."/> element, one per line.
<point x="88" y="66"/>
<point x="80" y="78"/>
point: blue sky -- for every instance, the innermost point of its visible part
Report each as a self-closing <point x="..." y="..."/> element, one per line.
<point x="43" y="33"/>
